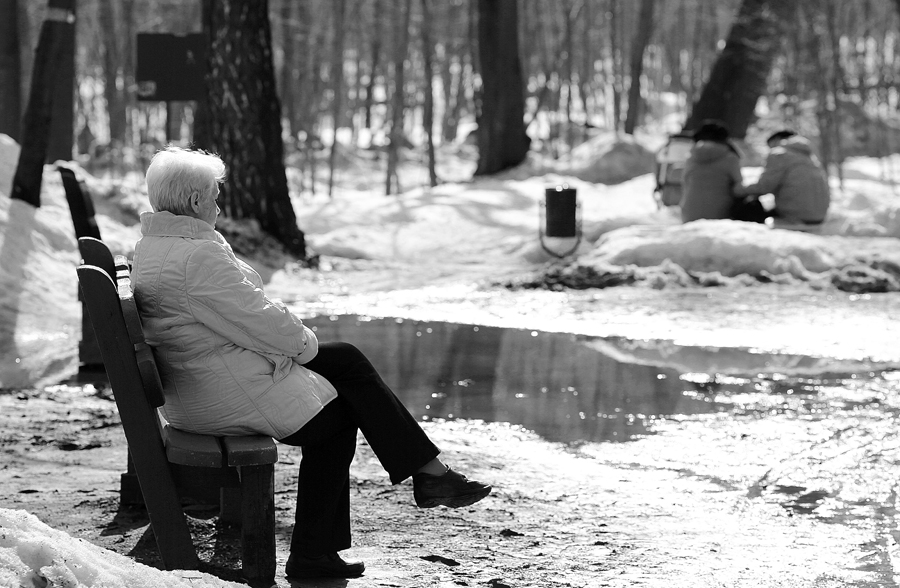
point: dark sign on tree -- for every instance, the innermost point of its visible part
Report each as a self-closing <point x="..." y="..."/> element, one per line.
<point x="171" y="67"/>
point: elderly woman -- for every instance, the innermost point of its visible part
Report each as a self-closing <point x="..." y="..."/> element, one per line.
<point x="234" y="362"/>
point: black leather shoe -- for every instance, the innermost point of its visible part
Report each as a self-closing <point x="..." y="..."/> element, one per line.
<point x="329" y="565"/>
<point x="450" y="489"/>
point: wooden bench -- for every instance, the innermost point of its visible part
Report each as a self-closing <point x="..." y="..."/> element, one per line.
<point x="171" y="464"/>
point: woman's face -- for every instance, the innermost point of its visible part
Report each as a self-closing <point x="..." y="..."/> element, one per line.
<point x="209" y="207"/>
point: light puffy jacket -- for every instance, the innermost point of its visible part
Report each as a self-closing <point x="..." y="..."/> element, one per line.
<point x="229" y="357"/>
<point x="793" y="175"/>
<point x="710" y="176"/>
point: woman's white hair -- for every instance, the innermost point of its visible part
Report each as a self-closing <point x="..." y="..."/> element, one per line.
<point x="175" y="173"/>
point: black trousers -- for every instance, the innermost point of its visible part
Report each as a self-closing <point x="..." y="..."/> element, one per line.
<point x="365" y="403"/>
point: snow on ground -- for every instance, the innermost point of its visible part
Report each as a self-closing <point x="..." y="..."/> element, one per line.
<point x="39" y="312"/>
<point x="34" y="555"/>
<point x="463" y="231"/>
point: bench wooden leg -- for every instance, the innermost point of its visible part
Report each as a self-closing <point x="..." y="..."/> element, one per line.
<point x="258" y="524"/>
<point x="129" y="487"/>
<point x="230" y="505"/>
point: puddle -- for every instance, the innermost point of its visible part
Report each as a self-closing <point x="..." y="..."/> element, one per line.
<point x="572" y="388"/>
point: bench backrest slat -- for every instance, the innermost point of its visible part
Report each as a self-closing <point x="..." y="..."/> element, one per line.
<point x="144" y="355"/>
<point x="95" y="252"/>
<point x="139" y="419"/>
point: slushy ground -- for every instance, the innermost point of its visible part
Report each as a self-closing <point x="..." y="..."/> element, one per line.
<point x="788" y="479"/>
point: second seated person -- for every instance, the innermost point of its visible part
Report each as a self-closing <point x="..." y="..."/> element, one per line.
<point x="235" y="362"/>
<point x="711" y="174"/>
<point x="794" y="176"/>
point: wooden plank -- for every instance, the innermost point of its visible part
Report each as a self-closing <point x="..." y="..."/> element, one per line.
<point x="249" y="450"/>
<point x="258" y="524"/>
<point x="192" y="449"/>
<point x="81" y="207"/>
<point x="230" y="505"/>
<point x="95" y="252"/>
<point x="126" y="299"/>
<point x="146" y="362"/>
<point x="139" y="420"/>
<point x="204" y="485"/>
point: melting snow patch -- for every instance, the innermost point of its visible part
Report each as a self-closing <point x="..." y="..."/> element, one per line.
<point x="34" y="555"/>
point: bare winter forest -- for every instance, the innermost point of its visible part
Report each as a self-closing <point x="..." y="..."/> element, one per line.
<point x="348" y="60"/>
<point x="401" y="80"/>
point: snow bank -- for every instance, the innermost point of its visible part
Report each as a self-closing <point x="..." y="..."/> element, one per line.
<point x="34" y="555"/>
<point x="39" y="310"/>
<point x="468" y="229"/>
<point x="609" y="159"/>
<point x="728" y="247"/>
<point x="725" y="252"/>
<point x="9" y="157"/>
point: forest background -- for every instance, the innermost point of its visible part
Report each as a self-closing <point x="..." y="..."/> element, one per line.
<point x="402" y="79"/>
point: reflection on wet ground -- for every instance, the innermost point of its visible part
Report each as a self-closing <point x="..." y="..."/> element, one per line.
<point x="573" y="388"/>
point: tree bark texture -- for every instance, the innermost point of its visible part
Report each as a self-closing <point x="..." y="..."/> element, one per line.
<point x="244" y="119"/>
<point x="428" y="106"/>
<point x="58" y="27"/>
<point x="502" y="141"/>
<point x="738" y="77"/>
<point x="638" y="47"/>
<point x="287" y="86"/>
<point x="10" y="71"/>
<point x="62" y="124"/>
<point x="376" y="62"/>
<point x="112" y="20"/>
<point x="337" y="85"/>
<point x="398" y="103"/>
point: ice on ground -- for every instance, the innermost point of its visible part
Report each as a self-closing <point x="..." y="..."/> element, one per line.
<point x="34" y="555"/>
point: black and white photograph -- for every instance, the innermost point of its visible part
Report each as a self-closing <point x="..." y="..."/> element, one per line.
<point x="450" y="293"/>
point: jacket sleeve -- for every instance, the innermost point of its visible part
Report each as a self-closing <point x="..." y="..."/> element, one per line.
<point x="221" y="297"/>
<point x="771" y="178"/>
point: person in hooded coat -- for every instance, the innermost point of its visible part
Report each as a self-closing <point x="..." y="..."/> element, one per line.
<point x="793" y="175"/>
<point x="711" y="174"/>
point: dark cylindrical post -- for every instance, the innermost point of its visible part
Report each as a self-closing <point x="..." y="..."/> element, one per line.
<point x="561" y="204"/>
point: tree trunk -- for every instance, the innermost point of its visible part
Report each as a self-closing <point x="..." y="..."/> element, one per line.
<point x="62" y="123"/>
<point x="641" y="40"/>
<point x="58" y="28"/>
<point x="376" y="59"/>
<point x="288" y="66"/>
<point x="738" y="77"/>
<point x="397" y="102"/>
<point x="129" y="95"/>
<point x="451" y="82"/>
<point x="337" y="85"/>
<point x="502" y="141"/>
<point x="615" y="51"/>
<point x="586" y="75"/>
<point x="838" y="86"/>
<point x="110" y="28"/>
<point x="428" y="114"/>
<point x="10" y="71"/>
<point x="245" y="119"/>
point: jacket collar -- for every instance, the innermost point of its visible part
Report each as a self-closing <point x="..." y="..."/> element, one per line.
<point x="166" y="224"/>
